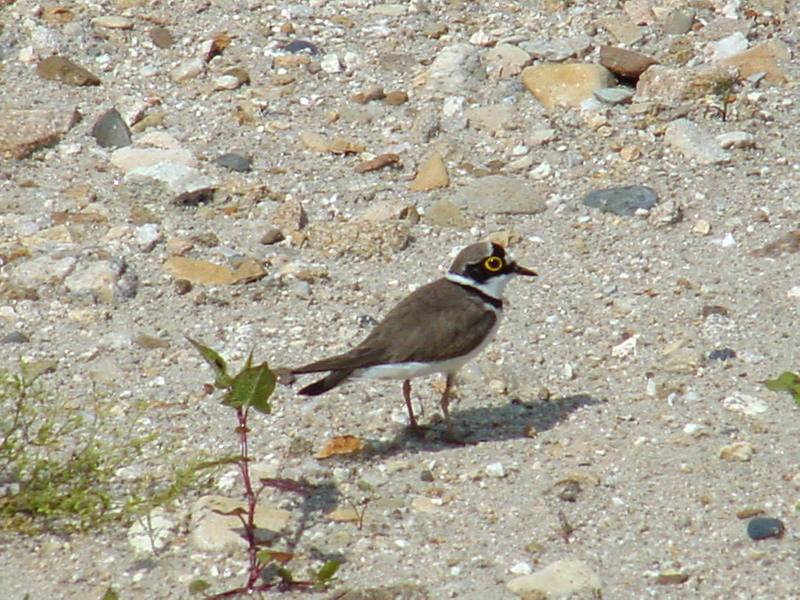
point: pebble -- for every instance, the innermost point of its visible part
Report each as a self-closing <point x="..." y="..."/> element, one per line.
<point x="500" y="194"/>
<point x="491" y="118"/>
<point x="622" y="28"/>
<point x="106" y="281"/>
<point x="161" y="37"/>
<point x="506" y="60"/>
<point x="745" y="404"/>
<point x="737" y="452"/>
<point x="563" y="578"/>
<point x="762" y="528"/>
<point x="15" y="337"/>
<point x="111" y="131"/>
<point x="297" y="46"/>
<point x="694" y="143"/>
<point x="272" y="235"/>
<point x="625" y="63"/>
<point x="188" y="69"/>
<point x="614" y="96"/>
<point x="679" y="22"/>
<point x="566" y="84"/>
<point x="722" y="354"/>
<point x="235" y="162"/>
<point x="456" y="69"/>
<point x="40" y="271"/>
<point x="557" y="50"/>
<point x="671" y="85"/>
<point x="432" y="175"/>
<point x="624" y="201"/>
<point x="58" y="68"/>
<point x="495" y="469"/>
<point x="395" y="98"/>
<point x="113" y="22"/>
<point x="736" y="139"/>
<point x="330" y="63"/>
<point x="521" y="568"/>
<point x="23" y="131"/>
<point x="232" y="79"/>
<point x="147" y="236"/>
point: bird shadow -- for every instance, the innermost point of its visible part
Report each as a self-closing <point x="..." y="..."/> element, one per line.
<point x="482" y="424"/>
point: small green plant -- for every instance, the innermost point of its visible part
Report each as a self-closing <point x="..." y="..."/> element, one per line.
<point x="57" y="473"/>
<point x="786" y="382"/>
<point x="250" y="388"/>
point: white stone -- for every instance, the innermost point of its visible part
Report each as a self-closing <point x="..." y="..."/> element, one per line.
<point x="745" y="404"/>
<point x="626" y="348"/>
<point x="521" y="568"/>
<point x="147" y="236"/>
<point x="452" y="106"/>
<point x="727" y="46"/>
<point x="455" y="69"/>
<point x="794" y="292"/>
<point x="330" y="63"/>
<point x="495" y="469"/>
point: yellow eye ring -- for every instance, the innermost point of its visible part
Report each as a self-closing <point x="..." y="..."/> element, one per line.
<point x="493" y="264"/>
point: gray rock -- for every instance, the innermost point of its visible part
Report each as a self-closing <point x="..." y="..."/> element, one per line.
<point x="565" y="578"/>
<point x="761" y="528"/>
<point x="679" y="22"/>
<point x="235" y="162"/>
<point x="558" y="50"/>
<point x="497" y="194"/>
<point x="455" y="69"/>
<point x="111" y="131"/>
<point x="616" y="95"/>
<point x="15" y="337"/>
<point x="694" y="143"/>
<point x="104" y="281"/>
<point x="624" y="201"/>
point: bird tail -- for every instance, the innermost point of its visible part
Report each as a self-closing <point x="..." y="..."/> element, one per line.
<point x="330" y="381"/>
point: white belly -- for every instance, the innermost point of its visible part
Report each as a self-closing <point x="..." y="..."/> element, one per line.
<point x="409" y="370"/>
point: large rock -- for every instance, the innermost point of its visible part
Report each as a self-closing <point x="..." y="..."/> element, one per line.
<point x="671" y="85"/>
<point x="566" y="84"/>
<point x="23" y="131"/>
<point x="495" y="194"/>
<point x="214" y="531"/>
<point x="763" y="58"/>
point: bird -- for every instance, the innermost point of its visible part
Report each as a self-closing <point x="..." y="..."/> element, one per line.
<point x="436" y="329"/>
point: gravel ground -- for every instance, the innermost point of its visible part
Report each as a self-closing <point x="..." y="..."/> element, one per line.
<point x="595" y="423"/>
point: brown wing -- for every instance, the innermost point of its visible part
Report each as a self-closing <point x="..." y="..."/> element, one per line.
<point x="423" y="327"/>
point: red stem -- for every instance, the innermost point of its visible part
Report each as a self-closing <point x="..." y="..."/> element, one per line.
<point x="250" y="525"/>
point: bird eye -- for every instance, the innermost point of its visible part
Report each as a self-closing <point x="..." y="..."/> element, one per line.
<point x="493" y="264"/>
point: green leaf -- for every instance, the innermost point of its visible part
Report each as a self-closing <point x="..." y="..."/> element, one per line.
<point x="285" y="574"/>
<point x="218" y="364"/>
<point x="110" y="594"/>
<point x="252" y="387"/>
<point x="786" y="382"/>
<point x="328" y="571"/>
